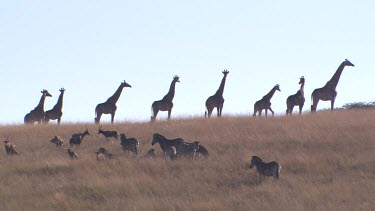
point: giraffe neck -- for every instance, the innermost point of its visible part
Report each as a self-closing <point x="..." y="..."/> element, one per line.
<point x="220" y="91"/>
<point x="41" y="103"/>
<point x="270" y="94"/>
<point x="301" y="89"/>
<point x="114" y="98"/>
<point x="170" y="95"/>
<point x="59" y="103"/>
<point x="336" y="77"/>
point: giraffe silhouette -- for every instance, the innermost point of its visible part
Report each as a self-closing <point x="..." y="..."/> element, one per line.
<point x="217" y="100"/>
<point x="56" y="111"/>
<point x="265" y="102"/>
<point x="166" y="103"/>
<point x="37" y="115"/>
<point x="328" y="92"/>
<point x="109" y="106"/>
<point x="296" y="99"/>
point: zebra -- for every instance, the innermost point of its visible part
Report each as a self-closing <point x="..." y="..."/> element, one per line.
<point x="165" y="143"/>
<point x="72" y="154"/>
<point x="187" y="149"/>
<point x="129" y="144"/>
<point x="171" y="152"/>
<point x="58" y="141"/>
<point x="76" y="139"/>
<point x="108" y="134"/>
<point x="265" y="169"/>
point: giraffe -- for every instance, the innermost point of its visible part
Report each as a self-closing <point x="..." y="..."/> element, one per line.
<point x="56" y="111"/>
<point x="265" y="102"/>
<point x="328" y="92"/>
<point x="217" y="99"/>
<point x="296" y="99"/>
<point x="166" y="103"/>
<point x="109" y="106"/>
<point x="37" y="115"/>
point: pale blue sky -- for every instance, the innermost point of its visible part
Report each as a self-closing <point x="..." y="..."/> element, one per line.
<point x="89" y="47"/>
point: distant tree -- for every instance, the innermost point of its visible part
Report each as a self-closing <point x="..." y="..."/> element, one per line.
<point x="359" y="105"/>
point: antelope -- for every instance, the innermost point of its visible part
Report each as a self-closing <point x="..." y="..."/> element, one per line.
<point x="108" y="134"/>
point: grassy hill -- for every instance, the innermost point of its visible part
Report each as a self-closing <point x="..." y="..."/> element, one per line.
<point x="327" y="159"/>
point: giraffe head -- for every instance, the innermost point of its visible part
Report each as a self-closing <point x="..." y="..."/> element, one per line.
<point x="62" y="90"/>
<point x="277" y="87"/>
<point x="46" y="93"/>
<point x="124" y="84"/>
<point x="301" y="80"/>
<point x="348" y="63"/>
<point x="176" y="79"/>
<point x="225" y="72"/>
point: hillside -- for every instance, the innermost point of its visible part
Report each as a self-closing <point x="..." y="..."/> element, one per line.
<point x="327" y="159"/>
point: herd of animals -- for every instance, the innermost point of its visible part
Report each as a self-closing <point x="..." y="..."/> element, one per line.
<point x="172" y="148"/>
<point x="177" y="148"/>
<point x="326" y="93"/>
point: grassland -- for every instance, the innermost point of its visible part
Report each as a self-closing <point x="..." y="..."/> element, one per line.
<point x="327" y="159"/>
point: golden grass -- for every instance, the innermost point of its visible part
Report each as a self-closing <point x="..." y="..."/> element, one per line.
<point x="327" y="159"/>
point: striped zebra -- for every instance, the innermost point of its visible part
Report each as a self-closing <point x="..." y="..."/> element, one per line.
<point x="165" y="143"/>
<point x="187" y="149"/>
<point x="265" y="169"/>
<point x="129" y="144"/>
<point x="171" y="152"/>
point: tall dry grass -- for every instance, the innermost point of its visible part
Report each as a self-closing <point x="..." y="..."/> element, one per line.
<point x="327" y="159"/>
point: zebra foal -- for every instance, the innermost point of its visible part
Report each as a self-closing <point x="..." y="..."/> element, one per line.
<point x="129" y="144"/>
<point x="265" y="169"/>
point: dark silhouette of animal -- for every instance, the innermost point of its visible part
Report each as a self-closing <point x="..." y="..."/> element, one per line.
<point x="165" y="143"/>
<point x="150" y="154"/>
<point x="109" y="106"/>
<point x="265" y="169"/>
<point x="129" y="144"/>
<point x="265" y="102"/>
<point x="297" y="99"/>
<point x="185" y="149"/>
<point x="202" y="151"/>
<point x="216" y="100"/>
<point x="72" y="154"/>
<point x="10" y="148"/>
<point x="58" y="141"/>
<point x="56" y="111"/>
<point x="102" y="153"/>
<point x="165" y="104"/>
<point x="37" y="114"/>
<point x="76" y="139"/>
<point x="328" y="92"/>
<point x="108" y="134"/>
<point x="171" y="152"/>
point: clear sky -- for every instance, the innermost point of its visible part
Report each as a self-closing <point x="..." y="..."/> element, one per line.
<point x="89" y="47"/>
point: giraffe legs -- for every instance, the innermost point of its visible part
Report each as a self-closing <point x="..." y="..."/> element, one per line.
<point x="209" y="110"/>
<point x="169" y="114"/>
<point x="220" y="110"/>
<point x="314" y="105"/>
<point x="59" y="120"/>
<point x="112" y="117"/>
<point x="153" y="118"/>
<point x="97" y="119"/>
<point x="300" y="109"/>
<point x="332" y="104"/>
<point x="271" y="111"/>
